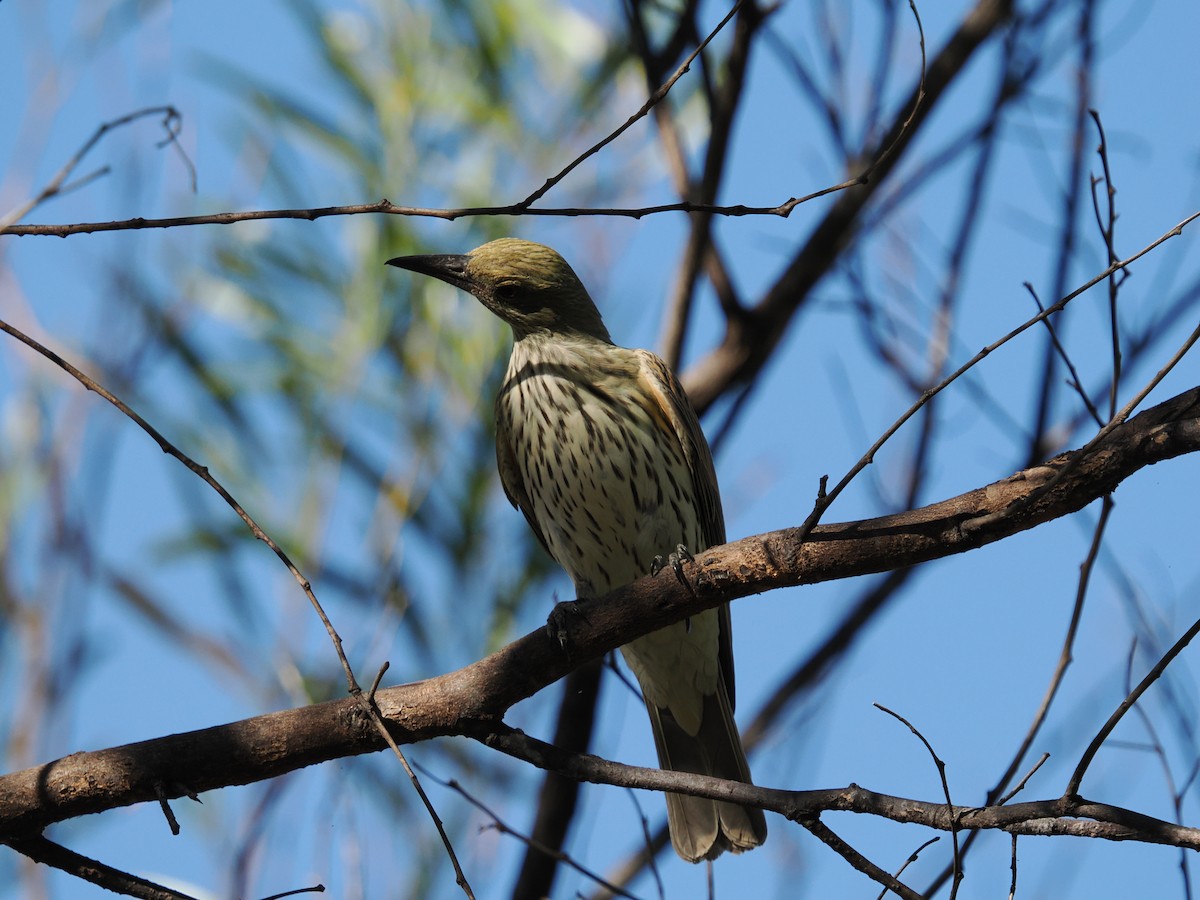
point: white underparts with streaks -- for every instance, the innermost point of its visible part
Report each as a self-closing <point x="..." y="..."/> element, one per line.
<point x="608" y="504"/>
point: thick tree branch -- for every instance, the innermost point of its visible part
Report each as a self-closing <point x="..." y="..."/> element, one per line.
<point x="472" y="701"/>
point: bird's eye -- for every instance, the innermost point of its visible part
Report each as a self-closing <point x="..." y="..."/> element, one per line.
<point x="506" y="292"/>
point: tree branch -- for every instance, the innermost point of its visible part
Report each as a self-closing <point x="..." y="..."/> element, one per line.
<point x="1058" y="816"/>
<point x="472" y="701"/>
<point x="51" y="854"/>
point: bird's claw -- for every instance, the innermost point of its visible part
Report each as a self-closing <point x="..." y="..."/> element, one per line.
<point x="561" y="619"/>
<point x="675" y="560"/>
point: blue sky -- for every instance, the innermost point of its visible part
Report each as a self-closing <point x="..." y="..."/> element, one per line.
<point x="965" y="654"/>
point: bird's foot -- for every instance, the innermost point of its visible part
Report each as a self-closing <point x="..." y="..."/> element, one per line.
<point x="562" y="619"/>
<point x="675" y="560"/>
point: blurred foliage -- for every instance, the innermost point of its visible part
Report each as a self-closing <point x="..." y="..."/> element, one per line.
<point x="379" y="378"/>
<point x="344" y="404"/>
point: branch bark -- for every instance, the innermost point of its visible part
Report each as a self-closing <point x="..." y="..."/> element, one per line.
<point x="1066" y="815"/>
<point x="473" y="700"/>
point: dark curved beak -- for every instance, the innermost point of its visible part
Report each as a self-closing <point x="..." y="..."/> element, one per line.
<point x="448" y="267"/>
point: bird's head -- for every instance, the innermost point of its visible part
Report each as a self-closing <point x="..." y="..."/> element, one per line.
<point x="527" y="285"/>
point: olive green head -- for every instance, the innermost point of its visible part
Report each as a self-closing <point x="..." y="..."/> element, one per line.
<point x="527" y="285"/>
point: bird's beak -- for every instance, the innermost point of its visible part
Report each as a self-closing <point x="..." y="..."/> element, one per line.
<point x="448" y="267"/>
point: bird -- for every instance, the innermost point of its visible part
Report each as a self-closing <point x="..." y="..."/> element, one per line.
<point x="601" y="450"/>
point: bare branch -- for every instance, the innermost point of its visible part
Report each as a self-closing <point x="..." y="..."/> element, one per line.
<point x="48" y="853"/>
<point x="532" y="843"/>
<point x="825" y="835"/>
<point x="940" y="765"/>
<point x="1119" y="713"/>
<point x="58" y="185"/>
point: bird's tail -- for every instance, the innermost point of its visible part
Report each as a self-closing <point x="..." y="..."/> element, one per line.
<point x="703" y="828"/>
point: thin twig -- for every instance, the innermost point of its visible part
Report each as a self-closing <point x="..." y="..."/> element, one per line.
<point x="823" y="833"/>
<point x="1107" y="224"/>
<point x="165" y="805"/>
<point x="1012" y="884"/>
<point x="1160" y="753"/>
<point x="386" y="207"/>
<point x="912" y="858"/>
<point x="649" y="844"/>
<point x="917" y="101"/>
<point x="315" y="889"/>
<point x="200" y="472"/>
<point x="650" y="103"/>
<point x="826" y="498"/>
<point x="504" y="828"/>
<point x="1024" y="781"/>
<point x="941" y="769"/>
<point x="1131" y="698"/>
<point x="1076" y="382"/>
<point x="58" y="185"/>
<point x="378" y="678"/>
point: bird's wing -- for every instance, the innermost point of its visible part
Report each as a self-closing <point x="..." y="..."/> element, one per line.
<point x="510" y="476"/>
<point x="671" y="406"/>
